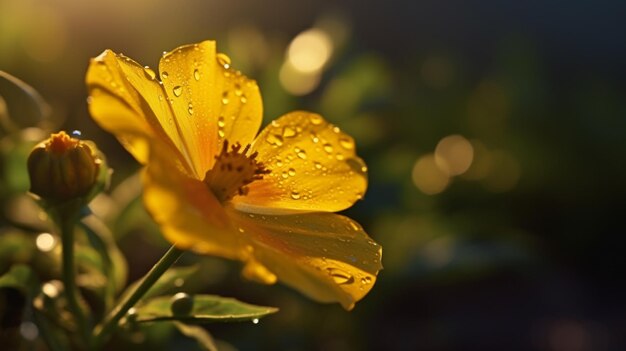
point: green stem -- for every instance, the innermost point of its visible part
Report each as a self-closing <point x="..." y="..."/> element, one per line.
<point x="103" y="331"/>
<point x="66" y="224"/>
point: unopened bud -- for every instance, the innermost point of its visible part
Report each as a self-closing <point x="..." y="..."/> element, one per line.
<point x="63" y="168"/>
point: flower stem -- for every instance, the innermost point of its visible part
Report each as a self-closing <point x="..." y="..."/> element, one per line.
<point x="67" y="221"/>
<point x="102" y="332"/>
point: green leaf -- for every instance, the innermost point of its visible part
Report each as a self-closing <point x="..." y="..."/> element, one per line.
<point x="206" y="309"/>
<point x="204" y="339"/>
<point x="172" y="280"/>
<point x="22" y="278"/>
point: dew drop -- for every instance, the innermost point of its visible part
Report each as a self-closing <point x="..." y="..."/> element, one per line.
<point x="220" y="122"/>
<point x="339" y="157"/>
<point x="221" y="133"/>
<point x="178" y="90"/>
<point x="336" y="129"/>
<point x="196" y="74"/>
<point x="346" y="143"/>
<point x="316" y="119"/>
<point x="274" y="139"/>
<point x="317" y="165"/>
<point x="223" y="60"/>
<point x="292" y="172"/>
<point x="364" y="169"/>
<point x="243" y="99"/>
<point x="301" y="153"/>
<point x="340" y="277"/>
<point x="255" y="321"/>
<point x="289" y="132"/>
<point x="225" y="98"/>
<point x="295" y="195"/>
<point x="190" y="108"/>
<point x="314" y="137"/>
<point x="164" y="75"/>
<point x="366" y="280"/>
<point x="328" y="148"/>
<point x="149" y="73"/>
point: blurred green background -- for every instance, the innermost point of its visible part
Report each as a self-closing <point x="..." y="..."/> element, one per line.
<point x="493" y="132"/>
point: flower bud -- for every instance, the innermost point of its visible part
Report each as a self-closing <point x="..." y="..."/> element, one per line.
<point x="62" y="168"/>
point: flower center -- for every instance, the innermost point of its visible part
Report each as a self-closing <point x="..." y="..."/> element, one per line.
<point x="233" y="171"/>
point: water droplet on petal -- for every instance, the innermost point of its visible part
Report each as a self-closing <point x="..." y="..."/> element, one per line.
<point x="196" y="74"/>
<point x="346" y="143"/>
<point x="301" y="153"/>
<point x="289" y="132"/>
<point x="255" y="321"/>
<point x="328" y="148"/>
<point x="340" y="277"/>
<point x="317" y="165"/>
<point x="315" y="119"/>
<point x="295" y="195"/>
<point x="223" y="60"/>
<point x="220" y="122"/>
<point x="164" y="75"/>
<point x="292" y="172"/>
<point x="190" y="108"/>
<point x="274" y="139"/>
<point x="149" y="73"/>
<point x="178" y="90"/>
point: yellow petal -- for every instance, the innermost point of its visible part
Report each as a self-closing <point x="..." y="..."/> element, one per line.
<point x="211" y="102"/>
<point x="128" y="101"/>
<point x="313" y="167"/>
<point x="325" y="256"/>
<point x="187" y="212"/>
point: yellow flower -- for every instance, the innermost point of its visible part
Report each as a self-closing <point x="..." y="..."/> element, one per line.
<point x="216" y="187"/>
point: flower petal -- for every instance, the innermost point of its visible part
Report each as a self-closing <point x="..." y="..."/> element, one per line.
<point x="211" y="101"/>
<point x="325" y="256"/>
<point x="127" y="100"/>
<point x="186" y="210"/>
<point x="313" y="167"/>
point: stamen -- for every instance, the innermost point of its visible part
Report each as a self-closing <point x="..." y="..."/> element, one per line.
<point x="233" y="171"/>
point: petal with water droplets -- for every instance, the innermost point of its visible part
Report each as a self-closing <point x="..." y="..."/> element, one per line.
<point x="127" y="101"/>
<point x="326" y="256"/>
<point x="186" y="210"/>
<point x="197" y="77"/>
<point x="313" y="167"/>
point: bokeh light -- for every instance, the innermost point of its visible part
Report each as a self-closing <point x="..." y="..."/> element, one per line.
<point x="45" y="242"/>
<point x="310" y="50"/>
<point x="428" y="177"/>
<point x="454" y="155"/>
